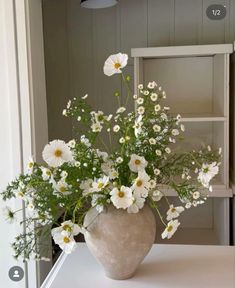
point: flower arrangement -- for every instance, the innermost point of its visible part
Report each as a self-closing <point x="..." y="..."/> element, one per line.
<point x="132" y="169"/>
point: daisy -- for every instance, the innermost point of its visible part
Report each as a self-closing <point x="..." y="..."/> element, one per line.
<point x="56" y="153"/>
<point x="138" y="203"/>
<point x="46" y="173"/>
<point x="170" y="229"/>
<point x="99" y="117"/>
<point x="30" y="166"/>
<point x="119" y="160"/>
<point x="122" y="140"/>
<point x="96" y="127"/>
<point x="66" y="243"/>
<point x="137" y="126"/>
<point x="196" y="195"/>
<point x="152" y="85"/>
<point x="137" y="163"/>
<point x="175" y="132"/>
<point x="157" y="108"/>
<point x="141" y="184"/>
<point x="141" y="110"/>
<point x="114" y="63"/>
<point x="154" y="97"/>
<point x="158" y="152"/>
<point x="135" y="96"/>
<point x="207" y="172"/>
<point x="62" y="187"/>
<point x="140" y="86"/>
<point x="66" y="228"/>
<point x="156" y="171"/>
<point x="156" y="195"/>
<point x="156" y="128"/>
<point x="140" y="101"/>
<point x="146" y="92"/>
<point x="116" y="128"/>
<point x="100" y="184"/>
<point x="113" y="174"/>
<point x="152" y="141"/>
<point x="86" y="186"/>
<point x="174" y="212"/>
<point x="71" y="143"/>
<point x="152" y="183"/>
<point x="121" y="198"/>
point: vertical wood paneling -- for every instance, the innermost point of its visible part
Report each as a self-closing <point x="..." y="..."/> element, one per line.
<point x="214" y="31"/>
<point x="232" y="21"/>
<point x="105" y="42"/>
<point x="160" y="22"/>
<point x="187" y="19"/>
<point x="133" y="20"/>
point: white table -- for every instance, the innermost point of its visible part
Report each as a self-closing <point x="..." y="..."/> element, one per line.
<point x="166" y="266"/>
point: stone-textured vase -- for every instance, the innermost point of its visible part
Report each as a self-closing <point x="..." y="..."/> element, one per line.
<point x="119" y="240"/>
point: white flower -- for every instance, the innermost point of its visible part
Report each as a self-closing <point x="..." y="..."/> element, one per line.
<point x="62" y="187"/>
<point x="79" y="118"/>
<point x="104" y="155"/>
<point x="152" y="183"/>
<point x="140" y="101"/>
<point x="66" y="243"/>
<point x="138" y="125"/>
<point x="154" y="97"/>
<point x="174" y="212"/>
<point x="157" y="171"/>
<point x="122" y="198"/>
<point x="220" y="151"/>
<point x="196" y="195"/>
<point x="107" y="166"/>
<point x="46" y="173"/>
<point x="56" y="153"/>
<point x="182" y="127"/>
<point x="95" y="200"/>
<point x="157" y="108"/>
<point x="85" y="96"/>
<point x="99" y="116"/>
<point x="168" y="150"/>
<point x="67" y="228"/>
<point x="100" y="184"/>
<point x="69" y="104"/>
<point x="96" y="127"/>
<point x="141" y="110"/>
<point x="121" y="110"/>
<point x="140" y="86"/>
<point x="158" y="152"/>
<point x="137" y="163"/>
<point x="116" y="128"/>
<point x="188" y="205"/>
<point x="146" y="92"/>
<point x="141" y="184"/>
<point x="156" y="195"/>
<point x="170" y="229"/>
<point x="85" y="141"/>
<point x="9" y="215"/>
<point x="113" y="174"/>
<point x="207" y="172"/>
<point x="135" y="96"/>
<point x="30" y="166"/>
<point x="64" y="113"/>
<point x="64" y="175"/>
<point x="152" y="141"/>
<point x="156" y="128"/>
<point x="175" y="132"/>
<point x="122" y="140"/>
<point x="86" y="186"/>
<point x="138" y="203"/>
<point x="152" y="85"/>
<point x="114" y="63"/>
<point x="119" y="160"/>
<point x="109" y="117"/>
<point x="71" y="143"/>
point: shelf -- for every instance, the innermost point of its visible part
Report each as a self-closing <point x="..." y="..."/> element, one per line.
<point x="202" y="118"/>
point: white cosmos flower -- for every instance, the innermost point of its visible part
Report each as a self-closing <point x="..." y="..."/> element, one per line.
<point x="30" y="166"/>
<point x="114" y="63"/>
<point x="121" y="110"/>
<point x="46" y="173"/>
<point x="96" y="127"/>
<point x="100" y="184"/>
<point x="121" y="198"/>
<point x="175" y="132"/>
<point x="86" y="186"/>
<point x="99" y="116"/>
<point x="137" y="163"/>
<point x="62" y="187"/>
<point x="170" y="229"/>
<point x="141" y="184"/>
<point x="138" y="203"/>
<point x="67" y="228"/>
<point x="174" y="212"/>
<point x="156" y="128"/>
<point x="113" y="174"/>
<point x="207" y="172"/>
<point x="116" y="128"/>
<point x="56" y="153"/>
<point x="154" y="97"/>
<point x="156" y="195"/>
<point x="66" y="243"/>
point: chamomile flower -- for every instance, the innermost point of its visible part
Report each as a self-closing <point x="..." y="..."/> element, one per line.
<point x="113" y="174"/>
<point x="157" y="108"/>
<point x="46" y="173"/>
<point x="115" y="63"/>
<point x="138" y="125"/>
<point x="152" y="184"/>
<point x="156" y="128"/>
<point x="121" y="197"/>
<point x="62" y="187"/>
<point x="56" y="153"/>
<point x="152" y="141"/>
<point x="71" y="143"/>
<point x="96" y="127"/>
<point x="174" y="212"/>
<point x="146" y="92"/>
<point x="152" y="85"/>
<point x="140" y="86"/>
<point x="157" y="171"/>
<point x="116" y="128"/>
<point x="137" y="163"/>
<point x="119" y="160"/>
<point x="156" y="195"/>
<point x="196" y="195"/>
<point x="171" y="228"/>
<point x="99" y="117"/>
<point x="154" y="97"/>
<point x="158" y="152"/>
<point x="122" y="140"/>
<point x="175" y="132"/>
<point x="30" y="166"/>
<point x="167" y="150"/>
<point x="100" y="184"/>
<point x="141" y="110"/>
<point x="140" y="101"/>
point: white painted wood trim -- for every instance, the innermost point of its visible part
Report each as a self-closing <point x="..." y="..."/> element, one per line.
<point x="195" y="50"/>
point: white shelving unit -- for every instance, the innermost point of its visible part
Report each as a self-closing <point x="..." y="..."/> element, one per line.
<point x="196" y="81"/>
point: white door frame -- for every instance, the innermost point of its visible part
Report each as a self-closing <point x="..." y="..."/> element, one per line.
<point x="23" y="112"/>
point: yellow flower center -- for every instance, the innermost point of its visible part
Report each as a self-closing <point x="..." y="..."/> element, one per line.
<point x="100" y="185"/>
<point x="48" y="173"/>
<point x="20" y="194"/>
<point x="137" y="162"/>
<point x="66" y="239"/>
<point x="169" y="228"/>
<point x="67" y="227"/>
<point x="30" y="164"/>
<point x="139" y="183"/>
<point x="62" y="189"/>
<point x="121" y="194"/>
<point x="117" y="65"/>
<point x="173" y="210"/>
<point x="58" y="153"/>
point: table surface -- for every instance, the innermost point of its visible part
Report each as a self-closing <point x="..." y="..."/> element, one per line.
<point x="166" y="266"/>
